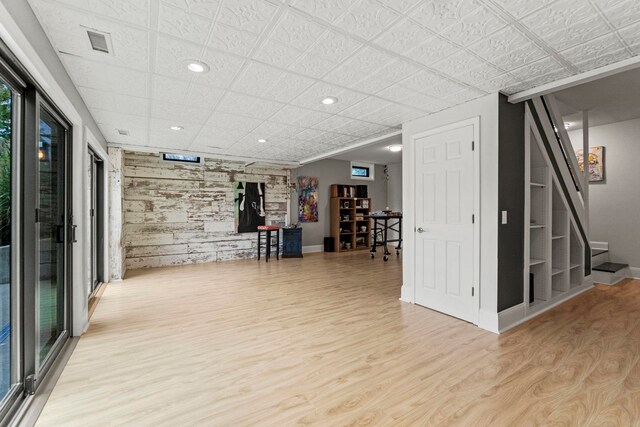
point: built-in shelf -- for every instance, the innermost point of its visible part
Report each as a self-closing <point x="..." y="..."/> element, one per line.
<point x="534" y="261"/>
<point x="557" y="237"/>
<point x="574" y="266"/>
<point x="555" y="271"/>
<point x="537" y="185"/>
<point x="536" y="302"/>
<point x="532" y="226"/>
<point x="555" y="293"/>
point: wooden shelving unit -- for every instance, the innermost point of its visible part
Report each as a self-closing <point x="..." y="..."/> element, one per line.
<point x="348" y="217"/>
<point x="553" y="251"/>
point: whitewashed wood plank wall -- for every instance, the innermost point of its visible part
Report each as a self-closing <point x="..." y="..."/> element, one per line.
<point x="179" y="214"/>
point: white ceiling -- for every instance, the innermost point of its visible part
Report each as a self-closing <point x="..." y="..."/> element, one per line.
<point x="377" y="153"/>
<point x="387" y="61"/>
<point x="609" y="100"/>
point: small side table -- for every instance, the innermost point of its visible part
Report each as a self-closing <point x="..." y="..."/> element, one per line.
<point x="292" y="243"/>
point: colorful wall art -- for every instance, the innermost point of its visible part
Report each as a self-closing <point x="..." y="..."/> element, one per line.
<point x="307" y="199"/>
<point x="248" y="203"/>
<point x="596" y="163"/>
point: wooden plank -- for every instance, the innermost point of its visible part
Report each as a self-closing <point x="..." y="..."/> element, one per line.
<point x="164" y="227"/>
<point x="176" y="172"/>
<point x="219" y="226"/>
<point x="149" y="239"/>
<point x="140" y="217"/>
<point x="156" y="250"/>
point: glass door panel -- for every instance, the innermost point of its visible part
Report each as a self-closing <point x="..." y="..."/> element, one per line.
<point x="6" y="138"/>
<point x="51" y="244"/>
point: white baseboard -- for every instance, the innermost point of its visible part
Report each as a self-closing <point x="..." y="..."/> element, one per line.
<point x="488" y="321"/>
<point x="406" y="294"/>
<point x="312" y="249"/>
<point x="633" y="273"/>
<point x="599" y="245"/>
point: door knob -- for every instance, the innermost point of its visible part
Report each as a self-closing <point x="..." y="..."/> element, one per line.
<point x="420" y="230"/>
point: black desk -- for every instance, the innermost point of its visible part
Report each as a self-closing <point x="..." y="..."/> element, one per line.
<point x="381" y="225"/>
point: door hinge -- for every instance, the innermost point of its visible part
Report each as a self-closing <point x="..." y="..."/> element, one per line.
<point x="473" y="218"/>
<point x="473" y="146"/>
<point x="473" y="291"/>
<point x="30" y="384"/>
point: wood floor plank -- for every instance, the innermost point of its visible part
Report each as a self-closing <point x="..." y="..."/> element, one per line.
<point x="305" y="342"/>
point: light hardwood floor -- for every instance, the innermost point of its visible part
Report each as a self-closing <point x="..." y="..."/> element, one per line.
<point x="301" y="341"/>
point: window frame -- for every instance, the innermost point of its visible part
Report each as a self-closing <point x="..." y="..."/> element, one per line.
<point x="371" y="167"/>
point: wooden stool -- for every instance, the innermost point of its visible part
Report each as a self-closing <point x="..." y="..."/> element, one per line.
<point x="268" y="229"/>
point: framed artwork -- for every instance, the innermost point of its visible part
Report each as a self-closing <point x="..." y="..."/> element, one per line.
<point x="596" y="163"/>
<point x="248" y="206"/>
<point x="308" y="199"/>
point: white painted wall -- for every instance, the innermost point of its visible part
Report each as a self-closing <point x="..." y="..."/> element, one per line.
<point x="615" y="203"/>
<point x="486" y="108"/>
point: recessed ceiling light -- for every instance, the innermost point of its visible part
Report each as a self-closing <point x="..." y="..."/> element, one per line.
<point x="567" y="125"/>
<point x="262" y="140"/>
<point x="176" y="127"/>
<point x="197" y="66"/>
<point x="395" y="148"/>
<point x="329" y="100"/>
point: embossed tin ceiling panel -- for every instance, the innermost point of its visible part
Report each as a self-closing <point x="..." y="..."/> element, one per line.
<point x="271" y="63"/>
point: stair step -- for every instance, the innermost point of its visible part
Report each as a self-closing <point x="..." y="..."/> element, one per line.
<point x="610" y="267"/>
<point x="596" y="252"/>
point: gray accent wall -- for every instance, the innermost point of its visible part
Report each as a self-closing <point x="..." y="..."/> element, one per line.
<point x="333" y="172"/>
<point x="614" y="204"/>
<point x="23" y="15"/>
<point x="510" y="199"/>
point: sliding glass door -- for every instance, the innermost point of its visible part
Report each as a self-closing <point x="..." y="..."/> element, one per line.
<point x="7" y="303"/>
<point x="51" y="221"/>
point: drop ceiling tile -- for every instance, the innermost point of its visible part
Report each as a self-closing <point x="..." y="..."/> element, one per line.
<point x="606" y="58"/>
<point x="518" y="57"/>
<point x="370" y="85"/>
<point x="560" y="14"/>
<point x="168" y="89"/>
<point x="334" y="47"/>
<point x="94" y="75"/>
<point x="402" y="37"/>
<point x="458" y="63"/>
<point x="542" y="67"/>
<point x="423" y="80"/>
<point x="113" y="102"/>
<point x="288" y="114"/>
<point x="368" y="61"/>
<point x="247" y="15"/>
<point x="566" y="37"/>
<point x="402" y="6"/>
<point x="202" y="96"/>
<point x="179" y="114"/>
<point x="332" y="123"/>
<point x="444" y="89"/>
<point x="249" y="106"/>
<point x="217" y="137"/>
<point x="437" y="15"/>
<point x="288" y="87"/>
<point x="397" y="70"/>
<point x="204" y="8"/>
<point x="313" y="96"/>
<point x="257" y="79"/>
<point x="395" y="92"/>
<point x="631" y="36"/>
<point x="367" y="19"/>
<point x="312" y="66"/>
<point x="593" y="49"/>
<point x="464" y="95"/>
<point x="119" y="120"/>
<point x="230" y="39"/>
<point x="426" y="103"/>
<point x="181" y="24"/>
<point x="478" y="24"/>
<point x="521" y="8"/>
<point x="132" y="11"/>
<point x="433" y="50"/>
<point x="310" y="118"/>
<point x="364" y="107"/>
<point x="626" y="13"/>
<point x="500" y="43"/>
<point x="231" y="121"/>
<point x="327" y="10"/>
<point x="224" y="68"/>
<point x="345" y="75"/>
<point x="475" y="77"/>
<point x="297" y="31"/>
<point x="279" y="54"/>
<point x="172" y="56"/>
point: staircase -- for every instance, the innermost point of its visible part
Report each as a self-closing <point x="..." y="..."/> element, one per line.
<point x="606" y="272"/>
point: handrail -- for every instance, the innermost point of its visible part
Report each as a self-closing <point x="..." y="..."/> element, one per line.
<point x="553" y="111"/>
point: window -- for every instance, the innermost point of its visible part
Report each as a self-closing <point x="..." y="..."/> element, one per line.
<point x="184" y="158"/>
<point x="364" y="171"/>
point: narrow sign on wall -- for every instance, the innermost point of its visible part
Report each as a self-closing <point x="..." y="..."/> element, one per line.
<point x="248" y="206"/>
<point x="308" y="199"/>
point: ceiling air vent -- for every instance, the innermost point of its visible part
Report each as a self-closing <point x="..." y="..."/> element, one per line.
<point x="99" y="41"/>
<point x="123" y="132"/>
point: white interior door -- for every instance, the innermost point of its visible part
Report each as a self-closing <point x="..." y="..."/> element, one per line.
<point x="444" y="233"/>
